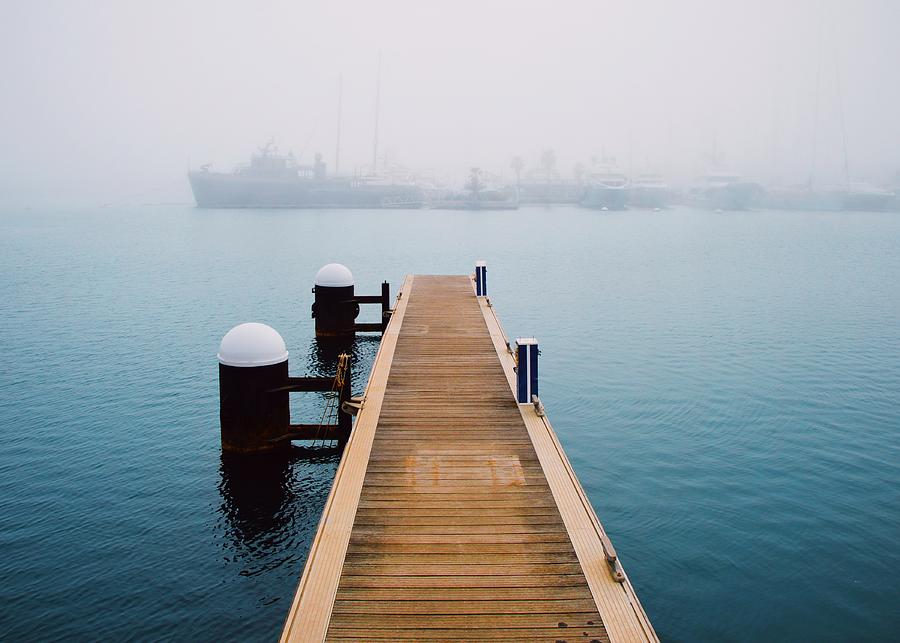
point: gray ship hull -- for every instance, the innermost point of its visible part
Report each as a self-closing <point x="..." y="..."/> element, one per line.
<point x="215" y="190"/>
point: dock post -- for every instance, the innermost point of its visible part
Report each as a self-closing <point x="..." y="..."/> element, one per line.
<point x="253" y="360"/>
<point x="526" y="369"/>
<point x="481" y="278"/>
<point x="335" y="308"/>
<point x="385" y="305"/>
<point x="345" y="419"/>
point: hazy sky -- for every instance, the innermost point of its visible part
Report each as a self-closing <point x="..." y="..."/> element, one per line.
<point x="111" y="99"/>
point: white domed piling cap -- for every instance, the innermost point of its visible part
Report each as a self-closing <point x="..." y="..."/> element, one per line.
<point x="334" y="275"/>
<point x="252" y="344"/>
<point x="480" y="263"/>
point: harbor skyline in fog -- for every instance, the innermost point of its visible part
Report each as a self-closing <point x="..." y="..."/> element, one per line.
<point x="110" y="100"/>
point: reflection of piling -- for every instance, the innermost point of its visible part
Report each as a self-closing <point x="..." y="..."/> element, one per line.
<point x="255" y="492"/>
<point x="253" y="393"/>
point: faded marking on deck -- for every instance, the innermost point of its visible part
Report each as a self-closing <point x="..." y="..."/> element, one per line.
<point x="455" y="513"/>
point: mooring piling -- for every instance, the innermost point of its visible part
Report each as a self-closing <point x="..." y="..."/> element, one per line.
<point x="254" y="385"/>
<point x="336" y="304"/>
<point x="253" y="360"/>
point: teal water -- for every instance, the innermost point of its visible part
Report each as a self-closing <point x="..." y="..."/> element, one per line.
<point x="727" y="387"/>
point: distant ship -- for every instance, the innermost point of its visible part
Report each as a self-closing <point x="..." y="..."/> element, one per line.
<point x="273" y="180"/>
<point x="607" y="187"/>
<point x="848" y="197"/>
<point x="724" y="191"/>
<point x="649" y="191"/>
<point x="867" y="197"/>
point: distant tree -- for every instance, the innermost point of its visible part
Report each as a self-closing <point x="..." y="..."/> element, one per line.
<point x="548" y="163"/>
<point x="517" y="165"/>
<point x="475" y="185"/>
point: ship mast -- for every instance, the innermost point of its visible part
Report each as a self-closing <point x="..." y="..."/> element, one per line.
<point x="815" y="141"/>
<point x="377" y="108"/>
<point x="337" y="147"/>
<point x="840" y="93"/>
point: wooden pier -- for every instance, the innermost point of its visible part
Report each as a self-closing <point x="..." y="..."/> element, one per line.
<point x="454" y="514"/>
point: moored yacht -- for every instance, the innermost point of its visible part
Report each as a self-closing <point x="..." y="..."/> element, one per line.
<point x="607" y="188"/>
<point x="721" y="190"/>
<point x="649" y="191"/>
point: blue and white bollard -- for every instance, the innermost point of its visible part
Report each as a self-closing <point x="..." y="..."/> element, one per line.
<point x="481" y="278"/>
<point x="527" y="369"/>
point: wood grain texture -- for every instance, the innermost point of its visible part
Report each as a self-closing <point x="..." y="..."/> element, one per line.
<point x="445" y="521"/>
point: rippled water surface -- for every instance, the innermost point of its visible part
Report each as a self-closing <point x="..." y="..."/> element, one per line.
<point x="727" y="387"/>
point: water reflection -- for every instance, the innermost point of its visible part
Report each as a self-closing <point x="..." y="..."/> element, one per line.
<point x="271" y="503"/>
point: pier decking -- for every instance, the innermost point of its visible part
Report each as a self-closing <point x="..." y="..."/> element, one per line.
<point x="454" y="513"/>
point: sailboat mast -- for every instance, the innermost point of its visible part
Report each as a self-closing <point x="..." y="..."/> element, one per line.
<point x="837" y="73"/>
<point x="337" y="146"/>
<point x="815" y="141"/>
<point x="377" y="109"/>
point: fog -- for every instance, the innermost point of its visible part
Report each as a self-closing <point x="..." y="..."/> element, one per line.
<point x="115" y="100"/>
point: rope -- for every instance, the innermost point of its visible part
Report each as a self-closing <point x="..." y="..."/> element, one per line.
<point x="333" y="398"/>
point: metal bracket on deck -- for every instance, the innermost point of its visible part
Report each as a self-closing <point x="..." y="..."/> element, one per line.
<point x="615" y="567"/>
<point x="538" y="405"/>
<point x="352" y="406"/>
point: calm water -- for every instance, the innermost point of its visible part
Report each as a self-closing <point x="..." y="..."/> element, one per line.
<point x="726" y="385"/>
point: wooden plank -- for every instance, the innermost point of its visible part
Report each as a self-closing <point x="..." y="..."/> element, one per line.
<point x="536" y="529"/>
<point x="462" y="593"/>
<point x="444" y="607"/>
<point x="454" y="569"/>
<point x="587" y="633"/>
<point x="450" y="546"/>
<point x="448" y="583"/>
<point x="572" y="620"/>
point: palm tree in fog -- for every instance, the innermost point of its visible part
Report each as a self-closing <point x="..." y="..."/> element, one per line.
<point x="548" y="163"/>
<point x="517" y="165"/>
<point x="579" y="171"/>
<point x="475" y="184"/>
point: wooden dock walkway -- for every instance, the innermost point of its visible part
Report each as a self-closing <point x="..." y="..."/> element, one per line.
<point x="454" y="513"/>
